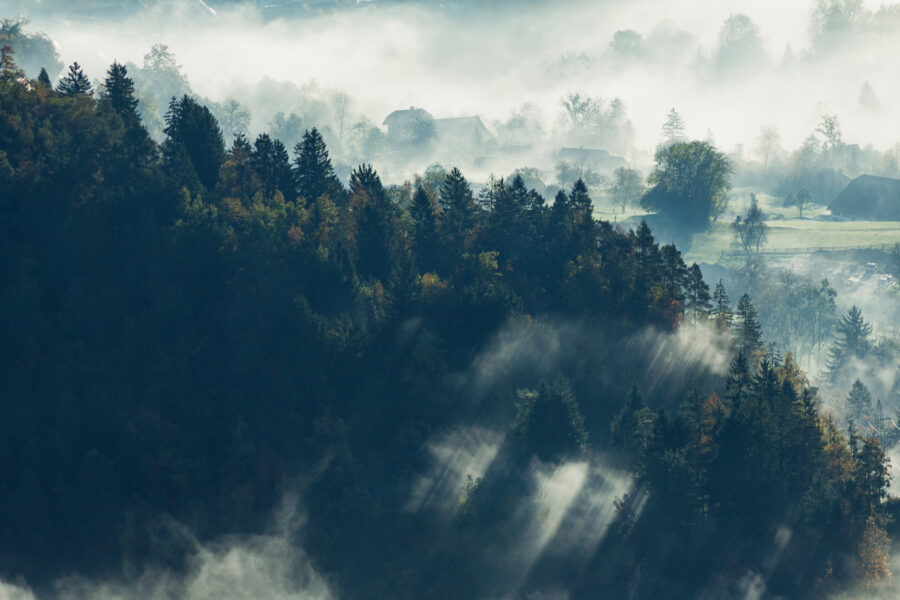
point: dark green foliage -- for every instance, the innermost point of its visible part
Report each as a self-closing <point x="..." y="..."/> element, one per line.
<point x="721" y="312"/>
<point x="859" y="402"/>
<point x="188" y="335"/>
<point x="425" y="233"/>
<point x="44" y="79"/>
<point x="748" y="333"/>
<point x="118" y="91"/>
<point x="313" y="171"/>
<point x="194" y="146"/>
<point x="698" y="302"/>
<point x="689" y="183"/>
<point x="549" y="423"/>
<point x="851" y="341"/>
<point x="75" y="83"/>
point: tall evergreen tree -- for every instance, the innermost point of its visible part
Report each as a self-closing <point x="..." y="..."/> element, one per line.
<point x="75" y="83"/>
<point x="721" y="307"/>
<point x="697" y="297"/>
<point x="748" y="332"/>
<point x="375" y="223"/>
<point x="458" y="214"/>
<point x="193" y="133"/>
<point x="44" y="79"/>
<point x="313" y="171"/>
<point x="859" y="402"/>
<point x="118" y="91"/>
<point x="425" y="232"/>
<point x="851" y="341"/>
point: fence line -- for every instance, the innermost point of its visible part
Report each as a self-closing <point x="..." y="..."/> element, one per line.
<point x="726" y="254"/>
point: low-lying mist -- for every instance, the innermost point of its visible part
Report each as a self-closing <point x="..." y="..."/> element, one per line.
<point x="729" y="69"/>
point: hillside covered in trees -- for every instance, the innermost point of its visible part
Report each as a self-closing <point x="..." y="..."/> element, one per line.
<point x="470" y="396"/>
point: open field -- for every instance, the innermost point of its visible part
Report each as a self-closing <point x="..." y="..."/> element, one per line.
<point x="798" y="233"/>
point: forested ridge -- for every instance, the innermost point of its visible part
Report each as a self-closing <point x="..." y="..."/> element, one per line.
<point x="192" y="329"/>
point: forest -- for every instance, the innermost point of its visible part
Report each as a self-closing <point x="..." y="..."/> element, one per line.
<point x="470" y="392"/>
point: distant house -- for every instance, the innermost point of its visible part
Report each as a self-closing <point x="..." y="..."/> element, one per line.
<point x="596" y="159"/>
<point x="869" y="197"/>
<point x="417" y="126"/>
<point x="463" y="133"/>
<point x="405" y="126"/>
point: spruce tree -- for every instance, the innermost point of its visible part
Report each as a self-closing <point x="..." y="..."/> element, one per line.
<point x="313" y="171"/>
<point x="747" y="328"/>
<point x="458" y="214"/>
<point x="375" y="223"/>
<point x="118" y="92"/>
<point x="425" y="236"/>
<point x="697" y="299"/>
<point x="859" y="402"/>
<point x="44" y="79"/>
<point x="721" y="307"/>
<point x="851" y="341"/>
<point x="193" y="132"/>
<point x="75" y="83"/>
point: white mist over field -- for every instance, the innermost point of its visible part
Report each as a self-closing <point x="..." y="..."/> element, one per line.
<point x="457" y="61"/>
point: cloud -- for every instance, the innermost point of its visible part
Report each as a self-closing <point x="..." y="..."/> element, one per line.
<point x="268" y="566"/>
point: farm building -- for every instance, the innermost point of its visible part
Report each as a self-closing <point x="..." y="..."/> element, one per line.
<point x="869" y="198"/>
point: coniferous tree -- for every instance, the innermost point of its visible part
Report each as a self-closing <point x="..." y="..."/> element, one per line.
<point x="75" y="83"/>
<point x="314" y="173"/>
<point x="697" y="296"/>
<point x="272" y="167"/>
<point x="44" y="79"/>
<point x="748" y="332"/>
<point x="458" y="214"/>
<point x="549" y="423"/>
<point x="721" y="307"/>
<point x="425" y="233"/>
<point x="375" y="223"/>
<point x="193" y="133"/>
<point x="851" y="341"/>
<point x="118" y="92"/>
<point x="859" y="402"/>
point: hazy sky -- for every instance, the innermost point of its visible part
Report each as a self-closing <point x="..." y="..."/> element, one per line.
<point x="456" y="63"/>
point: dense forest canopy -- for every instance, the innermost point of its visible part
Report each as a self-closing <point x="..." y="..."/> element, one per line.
<point x="489" y="394"/>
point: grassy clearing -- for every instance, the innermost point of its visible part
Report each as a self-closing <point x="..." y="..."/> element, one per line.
<point x="798" y="233"/>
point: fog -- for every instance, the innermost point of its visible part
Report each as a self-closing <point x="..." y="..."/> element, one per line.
<point x="270" y="565"/>
<point x="492" y="61"/>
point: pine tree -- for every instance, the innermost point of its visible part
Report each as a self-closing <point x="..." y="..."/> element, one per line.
<point x="674" y="271"/>
<point x="859" y="402"/>
<point x="314" y="173"/>
<point x="721" y="307"/>
<point x="697" y="297"/>
<point x="118" y="91"/>
<point x="75" y="83"/>
<point x="44" y="79"/>
<point x="425" y="236"/>
<point x="375" y="219"/>
<point x="458" y="214"/>
<point x="192" y="131"/>
<point x="747" y="328"/>
<point x="852" y="341"/>
<point x="272" y="167"/>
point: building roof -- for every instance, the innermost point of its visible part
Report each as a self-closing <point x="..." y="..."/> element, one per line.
<point x="399" y="116"/>
<point x="462" y="126"/>
<point x="869" y="197"/>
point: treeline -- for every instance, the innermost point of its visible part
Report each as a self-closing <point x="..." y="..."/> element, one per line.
<point x="191" y="329"/>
